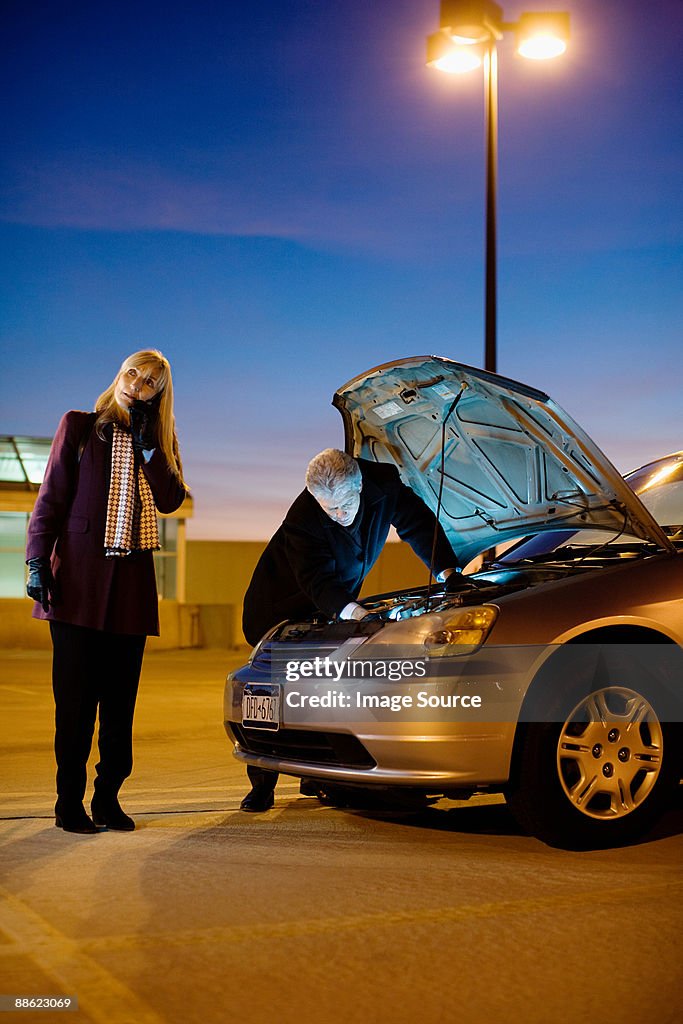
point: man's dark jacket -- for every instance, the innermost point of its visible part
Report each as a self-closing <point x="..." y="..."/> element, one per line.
<point x="314" y="564"/>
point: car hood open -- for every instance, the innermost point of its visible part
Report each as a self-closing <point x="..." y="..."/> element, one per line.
<point x="513" y="460"/>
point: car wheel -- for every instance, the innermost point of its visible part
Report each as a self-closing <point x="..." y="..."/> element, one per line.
<point x="601" y="776"/>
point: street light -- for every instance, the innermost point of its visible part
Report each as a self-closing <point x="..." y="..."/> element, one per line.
<point x="469" y="31"/>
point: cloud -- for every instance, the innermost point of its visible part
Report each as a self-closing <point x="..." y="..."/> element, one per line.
<point x="144" y="197"/>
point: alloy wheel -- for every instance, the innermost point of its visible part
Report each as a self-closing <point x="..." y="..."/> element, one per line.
<point x="609" y="752"/>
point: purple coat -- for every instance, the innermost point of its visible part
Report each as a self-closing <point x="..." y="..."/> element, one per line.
<point x="114" y="594"/>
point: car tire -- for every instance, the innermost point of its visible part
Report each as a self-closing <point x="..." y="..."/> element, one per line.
<point x="601" y="767"/>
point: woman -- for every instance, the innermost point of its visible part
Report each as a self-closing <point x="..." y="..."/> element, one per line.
<point x="91" y="573"/>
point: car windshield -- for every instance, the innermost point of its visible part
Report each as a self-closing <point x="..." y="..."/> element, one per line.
<point x="659" y="485"/>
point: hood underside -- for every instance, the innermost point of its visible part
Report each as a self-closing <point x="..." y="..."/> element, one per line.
<point x="513" y="461"/>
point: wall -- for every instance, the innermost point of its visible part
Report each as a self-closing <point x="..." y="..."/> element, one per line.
<point x="218" y="574"/>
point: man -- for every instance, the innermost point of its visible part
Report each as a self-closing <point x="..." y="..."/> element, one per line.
<point x="317" y="560"/>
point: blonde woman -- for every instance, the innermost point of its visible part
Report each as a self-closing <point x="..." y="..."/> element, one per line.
<point x="91" y="573"/>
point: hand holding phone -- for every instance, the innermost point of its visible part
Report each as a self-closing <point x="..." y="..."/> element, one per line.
<point x="143" y="424"/>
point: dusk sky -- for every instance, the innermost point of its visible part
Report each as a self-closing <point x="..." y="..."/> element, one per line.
<point x="280" y="195"/>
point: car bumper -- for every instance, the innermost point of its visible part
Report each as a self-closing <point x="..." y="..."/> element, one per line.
<point x="360" y="749"/>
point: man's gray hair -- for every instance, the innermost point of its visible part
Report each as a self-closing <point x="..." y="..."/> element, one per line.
<point x="332" y="471"/>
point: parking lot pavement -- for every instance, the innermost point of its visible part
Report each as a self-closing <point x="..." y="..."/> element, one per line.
<point x="308" y="914"/>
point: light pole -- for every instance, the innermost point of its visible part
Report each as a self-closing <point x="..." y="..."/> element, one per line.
<point x="467" y="38"/>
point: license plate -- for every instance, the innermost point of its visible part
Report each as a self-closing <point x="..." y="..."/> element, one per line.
<point x="261" y="706"/>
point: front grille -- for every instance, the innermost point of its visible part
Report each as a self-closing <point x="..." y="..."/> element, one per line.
<point x="331" y="748"/>
<point x="310" y="639"/>
<point x="272" y="655"/>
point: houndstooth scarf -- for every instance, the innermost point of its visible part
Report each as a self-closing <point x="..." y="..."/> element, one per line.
<point x="131" y="516"/>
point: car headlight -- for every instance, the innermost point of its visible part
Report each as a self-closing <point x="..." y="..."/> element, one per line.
<point x="461" y="633"/>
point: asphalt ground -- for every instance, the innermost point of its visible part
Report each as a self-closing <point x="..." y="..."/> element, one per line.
<point x="307" y="913"/>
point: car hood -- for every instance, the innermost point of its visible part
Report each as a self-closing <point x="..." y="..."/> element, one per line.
<point x="513" y="460"/>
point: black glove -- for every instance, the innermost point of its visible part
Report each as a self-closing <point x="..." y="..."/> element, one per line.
<point x="41" y="583"/>
<point x="143" y="425"/>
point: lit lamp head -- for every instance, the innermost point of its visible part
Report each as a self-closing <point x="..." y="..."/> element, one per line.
<point x="466" y="25"/>
<point x="543" y="35"/>
<point x="455" y="58"/>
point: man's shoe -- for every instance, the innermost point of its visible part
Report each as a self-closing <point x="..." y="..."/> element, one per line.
<point x="258" y="799"/>
<point x="73" y="818"/>
<point x="309" y="787"/>
<point x="108" y="814"/>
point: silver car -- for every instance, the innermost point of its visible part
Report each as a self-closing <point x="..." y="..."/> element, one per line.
<point x="553" y="672"/>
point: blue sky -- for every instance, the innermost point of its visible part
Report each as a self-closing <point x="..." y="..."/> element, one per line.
<point x="281" y="195"/>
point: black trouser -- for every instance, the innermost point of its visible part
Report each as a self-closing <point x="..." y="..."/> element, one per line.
<point x="261" y="778"/>
<point x="90" y="669"/>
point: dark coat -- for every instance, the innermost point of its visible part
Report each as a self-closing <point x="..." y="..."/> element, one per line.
<point x="312" y="563"/>
<point x="68" y="522"/>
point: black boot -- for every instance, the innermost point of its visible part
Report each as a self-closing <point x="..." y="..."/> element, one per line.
<point x="72" y="817"/>
<point x="262" y="795"/>
<point x="107" y="813"/>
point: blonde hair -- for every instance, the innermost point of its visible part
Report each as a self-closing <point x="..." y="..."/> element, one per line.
<point x="109" y="411"/>
<point x="332" y="471"/>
